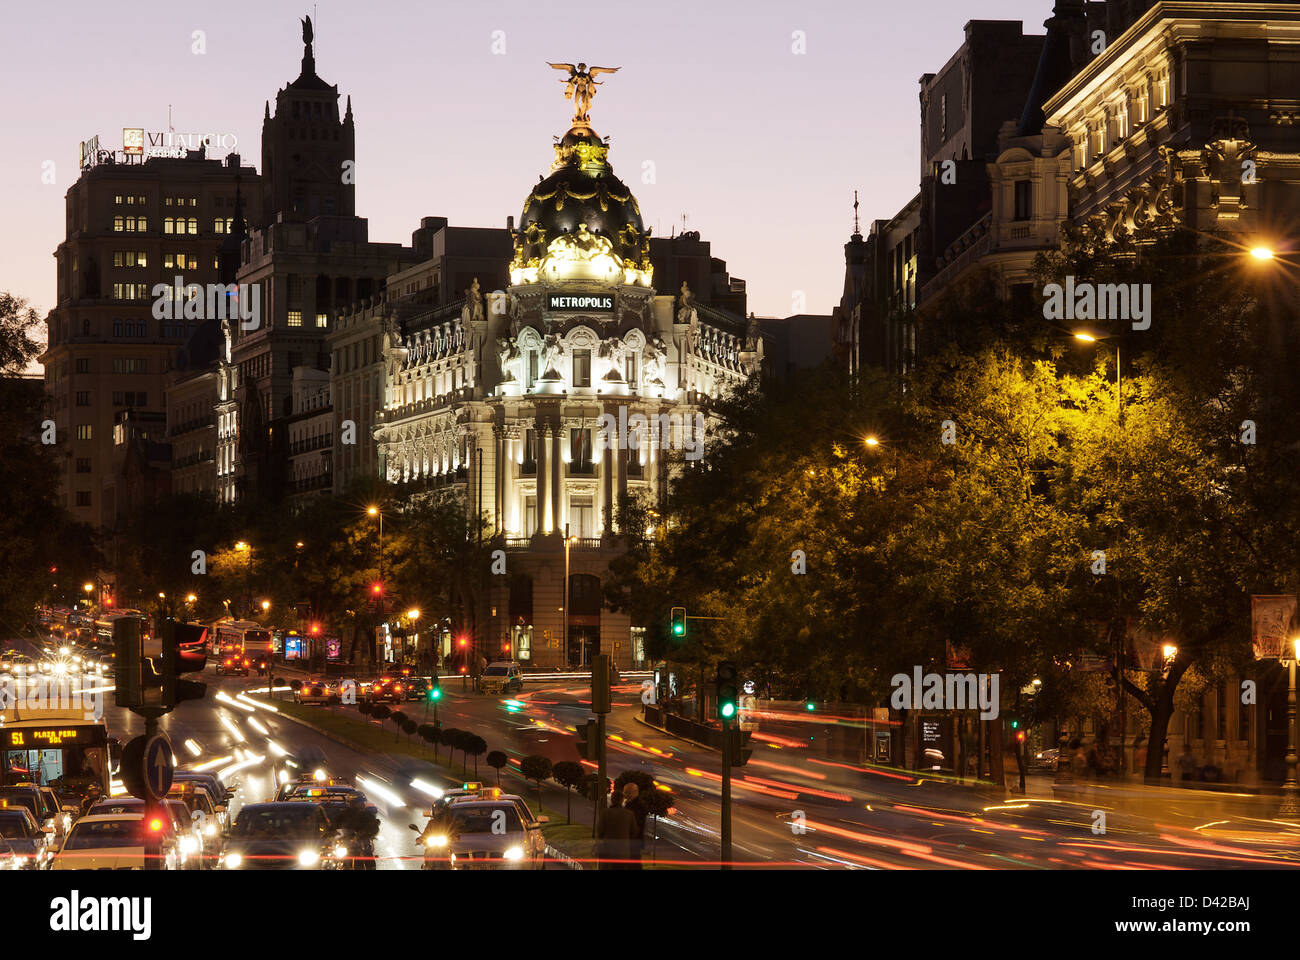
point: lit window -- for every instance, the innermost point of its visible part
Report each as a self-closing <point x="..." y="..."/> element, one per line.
<point x="295" y="318"/>
<point x="322" y="320"/>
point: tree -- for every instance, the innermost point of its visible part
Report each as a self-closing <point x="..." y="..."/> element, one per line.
<point x="497" y="759"/>
<point x="477" y="746"/>
<point x="47" y="556"/>
<point x="451" y="740"/>
<point x="409" y="727"/>
<point x="569" y="774"/>
<point x="536" y="768"/>
<point x="431" y="733"/>
<point x="380" y="712"/>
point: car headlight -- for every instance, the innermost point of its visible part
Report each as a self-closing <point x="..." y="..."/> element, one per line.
<point x="189" y="844"/>
<point x="233" y="860"/>
<point x="210" y="830"/>
<point x="340" y="851"/>
<point x="437" y="840"/>
<point x="309" y="858"/>
<point x="514" y="853"/>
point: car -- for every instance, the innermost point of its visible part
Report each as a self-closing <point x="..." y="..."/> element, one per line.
<point x="333" y="800"/>
<point x="217" y="795"/>
<point x="177" y="829"/>
<point x="502" y="676"/>
<point x="286" y="835"/>
<point x="234" y="663"/>
<point x="417" y="688"/>
<point x="1045" y="761"/>
<point x="42" y="802"/>
<point x="109" y="841"/>
<point x="208" y="823"/>
<point x="316" y="690"/>
<point x="386" y="688"/>
<point x="220" y="793"/>
<point x="475" y="834"/>
<point x="23" y="844"/>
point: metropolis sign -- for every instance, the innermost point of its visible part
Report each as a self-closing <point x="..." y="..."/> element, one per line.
<point x="563" y="301"/>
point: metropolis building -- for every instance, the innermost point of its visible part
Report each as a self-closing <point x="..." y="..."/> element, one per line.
<point x="546" y="403"/>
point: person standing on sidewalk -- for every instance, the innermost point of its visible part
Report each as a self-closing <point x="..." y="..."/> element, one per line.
<point x="615" y="828"/>
<point x="636" y="843"/>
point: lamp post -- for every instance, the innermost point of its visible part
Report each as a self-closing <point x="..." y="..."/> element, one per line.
<point x="1089" y="337"/>
<point x="568" y="541"/>
<point x="376" y="512"/>
<point x="248" y="578"/>
<point x="1290" y="806"/>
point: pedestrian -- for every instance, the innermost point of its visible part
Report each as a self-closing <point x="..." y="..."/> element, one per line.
<point x="1098" y="760"/>
<point x="636" y="843"/>
<point x="1140" y="756"/>
<point x="1189" y="764"/>
<point x="614" y="829"/>
<point x="1078" y="759"/>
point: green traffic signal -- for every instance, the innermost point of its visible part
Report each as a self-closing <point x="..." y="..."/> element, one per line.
<point x="678" y="621"/>
<point x="810" y="706"/>
<point x="435" y="694"/>
<point x="728" y="710"/>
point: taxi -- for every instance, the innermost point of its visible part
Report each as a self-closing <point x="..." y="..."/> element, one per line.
<point x="488" y="831"/>
<point x="391" y="689"/>
<point x="316" y="690"/>
<point x="233" y="662"/>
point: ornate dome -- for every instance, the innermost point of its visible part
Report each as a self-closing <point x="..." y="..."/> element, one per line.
<point x="581" y="222"/>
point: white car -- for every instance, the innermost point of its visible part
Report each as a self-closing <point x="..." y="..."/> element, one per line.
<point x="503" y="676"/>
<point x="109" y="841"/>
<point x="485" y="835"/>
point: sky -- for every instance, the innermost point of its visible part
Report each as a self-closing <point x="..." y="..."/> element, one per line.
<point x="714" y="115"/>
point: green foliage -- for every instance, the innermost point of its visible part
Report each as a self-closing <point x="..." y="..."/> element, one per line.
<point x="568" y="774"/>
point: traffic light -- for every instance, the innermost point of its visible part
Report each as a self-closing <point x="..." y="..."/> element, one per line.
<point x="126" y="662"/>
<point x="435" y="691"/>
<point x="678" y="621"/>
<point x="587" y="747"/>
<point x="810" y="706"/>
<point x="728" y="695"/>
<point x="740" y="749"/>
<point x="600" y="673"/>
<point x="376" y="589"/>
<point x="185" y="650"/>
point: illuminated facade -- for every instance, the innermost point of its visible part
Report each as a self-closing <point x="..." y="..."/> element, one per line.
<point x="546" y="403"/>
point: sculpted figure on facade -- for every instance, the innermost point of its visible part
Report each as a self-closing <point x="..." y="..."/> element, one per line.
<point x="653" y="360"/>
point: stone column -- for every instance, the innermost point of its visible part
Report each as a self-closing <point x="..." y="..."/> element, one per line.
<point x="556" y="474"/>
<point x="543" y="503"/>
<point x="608" y="464"/>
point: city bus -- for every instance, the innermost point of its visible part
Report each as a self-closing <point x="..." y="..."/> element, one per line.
<point x="104" y="625"/>
<point x="56" y="741"/>
<point x="242" y="639"/>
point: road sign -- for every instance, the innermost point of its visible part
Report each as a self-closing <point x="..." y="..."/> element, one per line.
<point x="147" y="767"/>
<point x="158" y="767"/>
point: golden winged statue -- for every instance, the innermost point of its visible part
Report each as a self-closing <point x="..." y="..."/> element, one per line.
<point x="580" y="87"/>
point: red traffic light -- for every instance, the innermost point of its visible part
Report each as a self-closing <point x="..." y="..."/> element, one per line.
<point x="315" y="629"/>
<point x="155" y="824"/>
<point x="463" y="642"/>
<point x="1020" y="736"/>
<point x="377" y="588"/>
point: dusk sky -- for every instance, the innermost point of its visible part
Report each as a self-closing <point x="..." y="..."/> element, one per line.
<point x="760" y="147"/>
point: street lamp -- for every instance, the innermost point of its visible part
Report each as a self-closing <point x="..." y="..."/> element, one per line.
<point x="1262" y="253"/>
<point x="266" y="605"/>
<point x="374" y="511"/>
<point x="1088" y="337"/>
<point x="190" y="598"/>
<point x="871" y="441"/>
<point x="1290" y="806"/>
<point x="248" y="576"/>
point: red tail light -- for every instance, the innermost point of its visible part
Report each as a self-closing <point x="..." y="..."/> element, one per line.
<point x="155" y="825"/>
<point x="245" y="663"/>
<point x="227" y="661"/>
